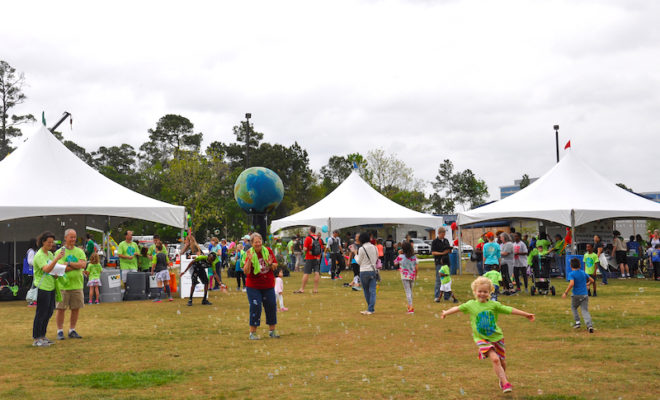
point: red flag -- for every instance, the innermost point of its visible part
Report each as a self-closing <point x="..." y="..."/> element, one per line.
<point x="568" y="145"/>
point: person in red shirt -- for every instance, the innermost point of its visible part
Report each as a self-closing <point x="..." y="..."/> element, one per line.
<point x="260" y="263"/>
<point x="313" y="248"/>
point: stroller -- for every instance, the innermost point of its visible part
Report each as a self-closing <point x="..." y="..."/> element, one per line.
<point x="541" y="266"/>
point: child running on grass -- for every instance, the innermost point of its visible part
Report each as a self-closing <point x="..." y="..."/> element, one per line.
<point x="590" y="260"/>
<point x="445" y="284"/>
<point x="487" y="335"/>
<point x="407" y="263"/>
<point x="93" y="271"/>
<point x="579" y="281"/>
<point x="279" y="288"/>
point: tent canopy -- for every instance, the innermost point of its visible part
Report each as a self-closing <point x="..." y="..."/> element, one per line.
<point x="571" y="194"/>
<point x="354" y="203"/>
<point x="42" y="177"/>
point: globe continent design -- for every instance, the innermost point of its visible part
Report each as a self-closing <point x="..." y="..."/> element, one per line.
<point x="258" y="190"/>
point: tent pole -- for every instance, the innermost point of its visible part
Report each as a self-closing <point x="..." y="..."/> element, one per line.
<point x="460" y="252"/>
<point x="107" y="240"/>
<point x="573" y="241"/>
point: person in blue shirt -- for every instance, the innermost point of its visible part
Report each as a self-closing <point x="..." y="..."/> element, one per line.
<point x="654" y="258"/>
<point x="579" y="281"/>
<point x="491" y="252"/>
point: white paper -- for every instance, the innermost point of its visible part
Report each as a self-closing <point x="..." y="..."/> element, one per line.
<point x="58" y="270"/>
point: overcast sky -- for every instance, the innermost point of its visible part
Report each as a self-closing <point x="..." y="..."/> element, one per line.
<point x="479" y="82"/>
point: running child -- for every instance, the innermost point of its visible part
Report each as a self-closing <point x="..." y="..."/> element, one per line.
<point x="495" y="277"/>
<point x="590" y="260"/>
<point x="200" y="265"/>
<point x="579" y="281"/>
<point x="279" y="287"/>
<point x="407" y="263"/>
<point x="445" y="283"/>
<point x="159" y="266"/>
<point x="487" y="335"/>
<point x="93" y="272"/>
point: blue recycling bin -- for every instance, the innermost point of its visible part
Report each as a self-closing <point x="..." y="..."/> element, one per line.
<point x="569" y="257"/>
<point x="453" y="261"/>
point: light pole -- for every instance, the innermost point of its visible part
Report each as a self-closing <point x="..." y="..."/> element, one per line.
<point x="557" y="140"/>
<point x="247" y="139"/>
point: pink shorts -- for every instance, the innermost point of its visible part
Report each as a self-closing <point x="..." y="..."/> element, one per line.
<point x="485" y="346"/>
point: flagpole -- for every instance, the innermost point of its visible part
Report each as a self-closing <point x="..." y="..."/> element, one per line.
<point x="556" y="127"/>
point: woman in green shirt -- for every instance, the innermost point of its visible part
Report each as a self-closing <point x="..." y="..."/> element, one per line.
<point x="44" y="262"/>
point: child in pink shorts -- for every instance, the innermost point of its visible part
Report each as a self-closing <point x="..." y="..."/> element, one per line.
<point x="487" y="335"/>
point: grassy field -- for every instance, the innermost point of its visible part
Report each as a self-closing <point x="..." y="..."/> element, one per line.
<point x="328" y="350"/>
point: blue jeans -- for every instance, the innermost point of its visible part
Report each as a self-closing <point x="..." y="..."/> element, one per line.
<point x="561" y="264"/>
<point x="603" y="272"/>
<point x="480" y="267"/>
<point x="368" y="279"/>
<point x="257" y="297"/>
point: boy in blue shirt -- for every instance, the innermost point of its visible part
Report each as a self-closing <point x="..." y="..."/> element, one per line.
<point x="579" y="281"/>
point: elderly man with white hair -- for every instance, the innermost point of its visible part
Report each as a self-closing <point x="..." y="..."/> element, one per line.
<point x="72" y="288"/>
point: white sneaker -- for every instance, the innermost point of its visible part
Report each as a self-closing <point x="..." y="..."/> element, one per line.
<point x="40" y="343"/>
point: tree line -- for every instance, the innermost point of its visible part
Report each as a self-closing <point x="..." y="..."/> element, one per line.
<point x="172" y="166"/>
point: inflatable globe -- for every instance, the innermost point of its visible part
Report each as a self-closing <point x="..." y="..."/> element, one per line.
<point x="258" y="190"/>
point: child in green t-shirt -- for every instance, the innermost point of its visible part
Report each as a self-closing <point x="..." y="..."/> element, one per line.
<point x="495" y="277"/>
<point x="93" y="272"/>
<point x="590" y="259"/>
<point x="445" y="283"/>
<point x="487" y="335"/>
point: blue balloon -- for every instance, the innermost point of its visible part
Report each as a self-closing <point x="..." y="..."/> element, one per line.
<point x="324" y="228"/>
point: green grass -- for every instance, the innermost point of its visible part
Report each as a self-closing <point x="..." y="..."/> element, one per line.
<point x="120" y="380"/>
<point x="328" y="350"/>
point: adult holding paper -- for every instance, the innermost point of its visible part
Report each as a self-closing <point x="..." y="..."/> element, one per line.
<point x="44" y="261"/>
<point x="74" y="262"/>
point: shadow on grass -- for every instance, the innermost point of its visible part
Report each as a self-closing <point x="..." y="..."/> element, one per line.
<point x="121" y="380"/>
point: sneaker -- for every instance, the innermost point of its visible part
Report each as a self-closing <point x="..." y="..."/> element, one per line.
<point x="48" y="340"/>
<point x="576" y="325"/>
<point x="34" y="304"/>
<point x="273" y="334"/>
<point x="244" y="290"/>
<point x="157" y="300"/>
<point x="589" y="292"/>
<point x="90" y="302"/>
<point x="366" y="312"/>
<point x="595" y="294"/>
<point x="591" y="330"/>
<point x="284" y="309"/>
<point x="455" y="300"/>
<point x="437" y="300"/>
<point x="170" y="299"/>
<point x="206" y="303"/>
<point x="628" y="276"/>
<point x="189" y="303"/>
<point x="254" y="336"/>
<point x="356" y="289"/>
<point x="98" y="302"/>
<point x="507" y="387"/>
<point x="411" y="310"/>
<point x="40" y="343"/>
<point x="60" y="335"/>
<point x="74" y="335"/>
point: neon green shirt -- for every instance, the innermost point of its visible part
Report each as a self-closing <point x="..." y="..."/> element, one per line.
<point x="445" y="270"/>
<point x="144" y="262"/>
<point x="289" y="246"/>
<point x="152" y="250"/>
<point x="535" y="253"/>
<point x="128" y="249"/>
<point x="41" y="260"/>
<point x="590" y="260"/>
<point x="94" y="271"/>
<point x="543" y="242"/>
<point x="74" y="278"/>
<point x="559" y="247"/>
<point x="494" y="276"/>
<point x="483" y="318"/>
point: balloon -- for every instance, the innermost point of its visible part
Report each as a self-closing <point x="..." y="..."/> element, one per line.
<point x="454" y="226"/>
<point x="324" y="228"/>
<point x="231" y="245"/>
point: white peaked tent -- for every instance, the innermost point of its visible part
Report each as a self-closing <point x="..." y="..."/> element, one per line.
<point x="571" y="194"/>
<point x="42" y="177"/>
<point x="355" y="203"/>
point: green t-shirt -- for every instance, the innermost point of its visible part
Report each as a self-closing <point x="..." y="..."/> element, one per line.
<point x="74" y="278"/>
<point x="535" y="253"/>
<point x="289" y="246"/>
<point x="494" y="276"/>
<point x="590" y="260"/>
<point x="445" y="270"/>
<point x="483" y="318"/>
<point x="94" y="271"/>
<point x="155" y="259"/>
<point x="144" y="263"/>
<point x="152" y="250"/>
<point x="41" y="260"/>
<point x="543" y="242"/>
<point x="128" y="249"/>
<point x="559" y="247"/>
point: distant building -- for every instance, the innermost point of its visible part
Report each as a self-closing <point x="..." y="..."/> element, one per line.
<point x="506" y="191"/>
<point x="655" y="196"/>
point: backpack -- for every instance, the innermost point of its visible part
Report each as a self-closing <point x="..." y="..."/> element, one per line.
<point x="316" y="246"/>
<point x="296" y="246"/>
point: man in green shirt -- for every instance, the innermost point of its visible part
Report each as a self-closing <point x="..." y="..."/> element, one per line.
<point x="153" y="249"/>
<point x="127" y="252"/>
<point x="72" y="287"/>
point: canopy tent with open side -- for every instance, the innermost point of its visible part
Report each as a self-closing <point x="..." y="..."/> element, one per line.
<point x="42" y="178"/>
<point x="355" y="203"/>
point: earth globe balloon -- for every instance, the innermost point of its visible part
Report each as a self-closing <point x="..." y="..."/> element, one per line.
<point x="258" y="190"/>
